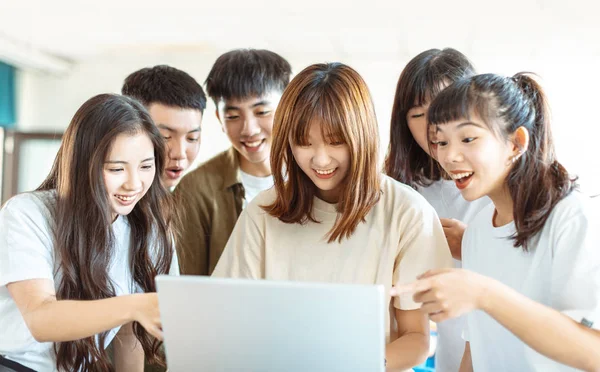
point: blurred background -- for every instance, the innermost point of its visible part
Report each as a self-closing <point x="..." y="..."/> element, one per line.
<point x="56" y="54"/>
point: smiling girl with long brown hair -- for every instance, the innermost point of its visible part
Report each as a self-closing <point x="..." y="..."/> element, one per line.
<point x="77" y="255"/>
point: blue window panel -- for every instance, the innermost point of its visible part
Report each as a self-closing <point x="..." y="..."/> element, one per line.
<point x="7" y="95"/>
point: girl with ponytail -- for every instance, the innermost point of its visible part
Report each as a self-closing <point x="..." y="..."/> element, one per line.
<point x="531" y="260"/>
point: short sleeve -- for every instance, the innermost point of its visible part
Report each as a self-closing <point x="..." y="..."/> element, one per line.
<point x="576" y="267"/>
<point x="422" y="247"/>
<point x="243" y="256"/>
<point x="26" y="249"/>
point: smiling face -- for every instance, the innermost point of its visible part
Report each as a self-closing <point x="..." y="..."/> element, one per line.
<point x="181" y="129"/>
<point x="325" y="161"/>
<point x="476" y="158"/>
<point x="129" y="171"/>
<point x="248" y="124"/>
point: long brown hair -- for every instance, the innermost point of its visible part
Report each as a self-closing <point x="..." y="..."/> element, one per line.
<point x="537" y="181"/>
<point x="336" y="96"/>
<point x="420" y="81"/>
<point x="82" y="218"/>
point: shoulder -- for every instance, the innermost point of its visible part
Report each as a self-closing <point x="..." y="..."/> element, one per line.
<point x="208" y="177"/>
<point x="264" y="198"/>
<point x="573" y="208"/>
<point x="402" y="198"/>
<point x="30" y="206"/>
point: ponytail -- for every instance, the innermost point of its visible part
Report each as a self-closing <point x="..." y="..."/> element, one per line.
<point x="537" y="181"/>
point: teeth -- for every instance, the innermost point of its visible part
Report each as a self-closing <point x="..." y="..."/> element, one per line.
<point x="125" y="198"/>
<point x="253" y="144"/>
<point x="329" y="171"/>
<point x="456" y="176"/>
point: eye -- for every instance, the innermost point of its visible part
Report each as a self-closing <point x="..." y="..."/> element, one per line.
<point x="439" y="143"/>
<point x="115" y="170"/>
<point x="336" y="143"/>
<point x="148" y="166"/>
<point x="415" y="116"/>
<point x="263" y="113"/>
<point x="469" y="139"/>
<point x="231" y="117"/>
<point x="167" y="137"/>
<point x="190" y="139"/>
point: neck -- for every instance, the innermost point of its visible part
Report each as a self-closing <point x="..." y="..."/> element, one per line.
<point x="504" y="207"/>
<point x="330" y="196"/>
<point x="262" y="169"/>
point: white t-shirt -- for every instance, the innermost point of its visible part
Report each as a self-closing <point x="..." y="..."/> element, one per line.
<point x="448" y="202"/>
<point x="27" y="252"/>
<point x="400" y="239"/>
<point x="561" y="270"/>
<point x="254" y="185"/>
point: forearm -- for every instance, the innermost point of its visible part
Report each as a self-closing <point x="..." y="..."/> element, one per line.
<point x="542" y="328"/>
<point x="67" y="320"/>
<point x="409" y="350"/>
<point x="128" y="352"/>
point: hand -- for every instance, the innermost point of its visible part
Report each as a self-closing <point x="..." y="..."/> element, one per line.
<point x="454" y="231"/>
<point x="446" y="293"/>
<point x="147" y="314"/>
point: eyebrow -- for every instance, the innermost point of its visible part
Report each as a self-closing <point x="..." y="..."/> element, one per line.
<point x="124" y="162"/>
<point x="167" y="128"/>
<point x="259" y="103"/>
<point x="438" y="128"/>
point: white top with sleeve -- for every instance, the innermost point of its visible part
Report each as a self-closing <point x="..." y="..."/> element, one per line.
<point x="27" y="252"/>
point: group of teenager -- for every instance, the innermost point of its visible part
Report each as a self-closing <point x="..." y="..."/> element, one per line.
<point x="301" y="196"/>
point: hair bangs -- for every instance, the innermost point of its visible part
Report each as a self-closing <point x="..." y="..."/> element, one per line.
<point x="323" y="109"/>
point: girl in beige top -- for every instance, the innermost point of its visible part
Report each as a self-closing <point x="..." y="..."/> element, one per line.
<point x="332" y="217"/>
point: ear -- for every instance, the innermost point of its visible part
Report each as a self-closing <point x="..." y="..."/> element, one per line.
<point x="520" y="140"/>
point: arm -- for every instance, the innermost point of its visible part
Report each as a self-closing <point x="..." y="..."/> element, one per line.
<point x="50" y="320"/>
<point x="243" y="256"/>
<point x="412" y="346"/>
<point x="194" y="243"/>
<point x="128" y="352"/>
<point x="565" y="341"/>
<point x="454" y="231"/>
<point x="466" y="365"/>
<point x="451" y="293"/>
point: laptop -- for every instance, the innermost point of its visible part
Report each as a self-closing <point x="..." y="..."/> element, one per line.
<point x="214" y="324"/>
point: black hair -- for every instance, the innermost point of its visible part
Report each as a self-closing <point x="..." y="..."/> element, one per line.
<point x="165" y="85"/>
<point x="244" y="73"/>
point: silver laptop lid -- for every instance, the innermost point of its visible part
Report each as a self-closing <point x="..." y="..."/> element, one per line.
<point x="218" y="325"/>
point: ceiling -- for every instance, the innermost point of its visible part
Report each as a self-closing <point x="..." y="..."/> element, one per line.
<point x="77" y="30"/>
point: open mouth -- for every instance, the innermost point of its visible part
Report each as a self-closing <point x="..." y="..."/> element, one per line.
<point x="462" y="179"/>
<point x="253" y="146"/>
<point x="126" y="200"/>
<point x="174" y="172"/>
<point x="325" y="173"/>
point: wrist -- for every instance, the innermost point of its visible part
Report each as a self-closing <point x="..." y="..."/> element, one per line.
<point x="132" y="306"/>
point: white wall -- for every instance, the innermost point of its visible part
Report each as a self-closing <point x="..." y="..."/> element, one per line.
<point x="48" y="102"/>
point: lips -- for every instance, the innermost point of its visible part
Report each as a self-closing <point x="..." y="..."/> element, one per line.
<point x="325" y="173"/>
<point x="462" y="178"/>
<point x="174" y="172"/>
<point x="126" y="200"/>
<point x="253" y="146"/>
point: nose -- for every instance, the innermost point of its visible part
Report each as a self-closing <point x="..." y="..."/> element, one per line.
<point x="133" y="182"/>
<point x="321" y="158"/>
<point x="251" y="127"/>
<point x="176" y="149"/>
<point x="450" y="154"/>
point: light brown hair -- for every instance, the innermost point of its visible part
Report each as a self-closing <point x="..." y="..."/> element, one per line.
<point x="335" y="96"/>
